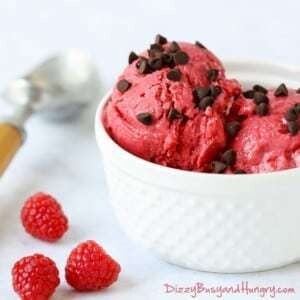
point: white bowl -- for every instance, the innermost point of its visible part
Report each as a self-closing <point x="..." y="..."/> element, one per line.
<point x="209" y="222"/>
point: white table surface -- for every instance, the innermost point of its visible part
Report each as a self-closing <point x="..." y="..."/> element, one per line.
<point x="63" y="158"/>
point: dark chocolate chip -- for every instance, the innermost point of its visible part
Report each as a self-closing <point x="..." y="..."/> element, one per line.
<point x="157" y="47"/>
<point x="218" y="166"/>
<point x="215" y="91"/>
<point x="298" y="91"/>
<point x="291" y="115"/>
<point x="228" y="157"/>
<point x="138" y="63"/>
<point x="248" y="94"/>
<point x="260" y="88"/>
<point x="145" y="118"/>
<point x="205" y="102"/>
<point x="297" y="108"/>
<point x="201" y="92"/>
<point x="161" y="40"/>
<point x="174" y="114"/>
<point x="123" y="85"/>
<point x="260" y="98"/>
<point x="212" y="74"/>
<point x="174" y="75"/>
<point x="281" y="91"/>
<point x="239" y="172"/>
<point x="132" y="57"/>
<point x="174" y="47"/>
<point x="154" y="53"/>
<point x="200" y="45"/>
<point x="262" y="109"/>
<point x="155" y="63"/>
<point x="293" y="127"/>
<point x="232" y="128"/>
<point x="167" y="60"/>
<point x="181" y="58"/>
<point x="143" y="66"/>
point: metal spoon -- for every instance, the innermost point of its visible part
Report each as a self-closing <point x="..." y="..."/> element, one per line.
<point x="58" y="89"/>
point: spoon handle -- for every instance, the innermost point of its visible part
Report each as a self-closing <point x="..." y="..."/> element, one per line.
<point x="11" y="139"/>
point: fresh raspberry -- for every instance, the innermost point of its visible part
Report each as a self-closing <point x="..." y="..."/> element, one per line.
<point x="35" y="277"/>
<point x="90" y="268"/>
<point x="43" y="218"/>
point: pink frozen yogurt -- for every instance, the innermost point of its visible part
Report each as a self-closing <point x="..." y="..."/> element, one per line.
<point x="173" y="105"/>
<point x="179" y="134"/>
<point x="264" y="143"/>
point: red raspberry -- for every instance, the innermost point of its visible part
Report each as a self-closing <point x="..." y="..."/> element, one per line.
<point x="43" y="218"/>
<point x="90" y="268"/>
<point x="35" y="277"/>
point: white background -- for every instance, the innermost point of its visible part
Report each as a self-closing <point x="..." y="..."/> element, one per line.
<point x="63" y="158"/>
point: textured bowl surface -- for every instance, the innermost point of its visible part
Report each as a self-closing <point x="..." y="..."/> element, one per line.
<point x="209" y="222"/>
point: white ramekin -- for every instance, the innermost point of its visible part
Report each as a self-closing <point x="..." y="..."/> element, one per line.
<point x="209" y="222"/>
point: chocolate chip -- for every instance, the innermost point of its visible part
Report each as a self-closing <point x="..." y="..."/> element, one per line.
<point x="281" y="91"/>
<point x="156" y="50"/>
<point x="212" y="74"/>
<point x="298" y="91"/>
<point x="200" y="45"/>
<point x="262" y="109"/>
<point x="215" y="91"/>
<point x="123" y="85"/>
<point x="218" y="166"/>
<point x="157" y="47"/>
<point x="232" y="128"/>
<point x="228" y="157"/>
<point x="168" y="60"/>
<point x="174" y="47"/>
<point x="260" y="88"/>
<point x="161" y="40"/>
<point x="260" y="98"/>
<point x="201" y="92"/>
<point x="248" y="94"/>
<point x="154" y="53"/>
<point x="174" y="75"/>
<point x="174" y="114"/>
<point x="155" y="63"/>
<point x="138" y="63"/>
<point x="297" y="108"/>
<point x="239" y="172"/>
<point x="145" y="118"/>
<point x="205" y="102"/>
<point x="181" y="58"/>
<point x="132" y="57"/>
<point x="143" y="66"/>
<point x="293" y="127"/>
<point x="291" y="115"/>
